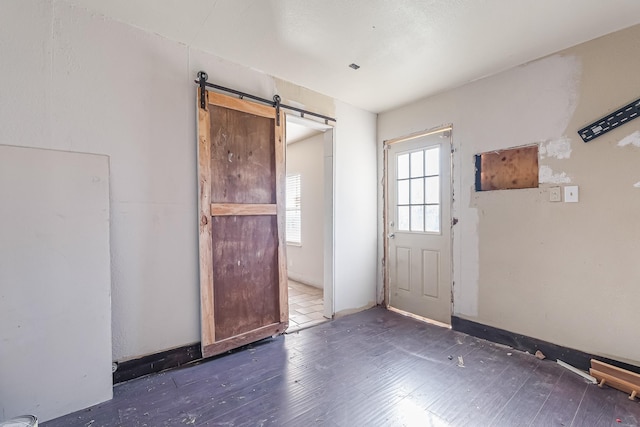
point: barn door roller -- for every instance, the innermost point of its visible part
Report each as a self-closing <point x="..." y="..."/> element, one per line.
<point x="202" y="82"/>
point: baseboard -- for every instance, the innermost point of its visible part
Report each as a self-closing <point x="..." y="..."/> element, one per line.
<point x="304" y="280"/>
<point x="577" y="358"/>
<point x="157" y="362"/>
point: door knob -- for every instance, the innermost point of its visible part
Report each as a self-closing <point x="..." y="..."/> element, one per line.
<point x="391" y="235"/>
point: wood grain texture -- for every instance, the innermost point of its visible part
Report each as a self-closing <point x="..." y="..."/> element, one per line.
<point x="616" y="382"/>
<point x="247" y="259"/>
<point x="236" y="341"/>
<point x="509" y="169"/>
<point x="280" y="188"/>
<point x="245" y="273"/>
<point x="242" y="157"/>
<point x="373" y="368"/>
<point x="623" y="374"/>
<point x="227" y="209"/>
<point x="204" y="238"/>
<point x="249" y="107"/>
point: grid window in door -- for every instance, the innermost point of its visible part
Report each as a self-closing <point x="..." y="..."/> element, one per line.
<point x="418" y="191"/>
<point x="294" y="210"/>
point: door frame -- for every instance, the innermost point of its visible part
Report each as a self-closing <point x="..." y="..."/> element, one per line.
<point x="385" y="209"/>
<point x="328" y="155"/>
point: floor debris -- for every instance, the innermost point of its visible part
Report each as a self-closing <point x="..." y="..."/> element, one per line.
<point x="575" y="370"/>
<point x="618" y="378"/>
<point x="540" y="355"/>
<point x="460" y="362"/>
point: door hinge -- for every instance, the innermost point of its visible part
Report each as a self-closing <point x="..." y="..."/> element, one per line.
<point x="454" y="221"/>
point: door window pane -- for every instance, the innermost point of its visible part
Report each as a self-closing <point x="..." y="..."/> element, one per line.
<point x="417" y="191"/>
<point x="403" y="218"/>
<point x="417" y="218"/>
<point x="417" y="164"/>
<point x="432" y="218"/>
<point x="403" y="166"/>
<point x="432" y="190"/>
<point x="403" y="192"/>
<point x="432" y="160"/>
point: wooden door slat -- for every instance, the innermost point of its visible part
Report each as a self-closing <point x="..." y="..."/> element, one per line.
<point x="225" y="345"/>
<point x="226" y="209"/>
<point x="281" y="219"/>
<point x="240" y="105"/>
<point x="204" y="238"/>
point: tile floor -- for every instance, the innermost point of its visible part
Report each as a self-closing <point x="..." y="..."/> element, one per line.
<point x="305" y="306"/>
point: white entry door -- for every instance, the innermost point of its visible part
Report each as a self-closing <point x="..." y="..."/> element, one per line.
<point x="419" y="226"/>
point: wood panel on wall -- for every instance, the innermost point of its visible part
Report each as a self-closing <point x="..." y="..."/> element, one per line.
<point x="507" y="169"/>
<point x="55" y="282"/>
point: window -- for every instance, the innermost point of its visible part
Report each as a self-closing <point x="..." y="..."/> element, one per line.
<point x="418" y="191"/>
<point x="294" y="211"/>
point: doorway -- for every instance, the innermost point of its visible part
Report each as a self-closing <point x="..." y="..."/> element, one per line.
<point x="418" y="224"/>
<point x="309" y="217"/>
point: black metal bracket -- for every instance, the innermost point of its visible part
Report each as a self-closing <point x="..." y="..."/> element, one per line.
<point x="617" y="118"/>
<point x="276" y="103"/>
<point x="202" y="81"/>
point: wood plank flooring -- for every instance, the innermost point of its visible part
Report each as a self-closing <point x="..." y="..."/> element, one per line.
<point x="374" y="368"/>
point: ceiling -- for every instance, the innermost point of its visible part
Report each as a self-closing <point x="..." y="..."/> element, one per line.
<point x="407" y="49"/>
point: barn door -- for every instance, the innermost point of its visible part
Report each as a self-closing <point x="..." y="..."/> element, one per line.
<point x="243" y="276"/>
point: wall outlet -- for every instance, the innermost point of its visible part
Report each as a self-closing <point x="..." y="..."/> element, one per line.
<point x="554" y="194"/>
<point x="571" y="194"/>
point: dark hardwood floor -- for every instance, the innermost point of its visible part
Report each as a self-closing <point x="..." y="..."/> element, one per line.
<point x="374" y="368"/>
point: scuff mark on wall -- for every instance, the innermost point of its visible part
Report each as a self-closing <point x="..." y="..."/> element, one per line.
<point x="560" y="148"/>
<point x="546" y="175"/>
<point x="633" y="139"/>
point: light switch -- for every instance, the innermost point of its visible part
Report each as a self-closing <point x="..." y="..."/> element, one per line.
<point x="554" y="194"/>
<point x="571" y="194"/>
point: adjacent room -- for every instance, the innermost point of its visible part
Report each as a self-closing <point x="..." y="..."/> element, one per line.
<point x="369" y="213"/>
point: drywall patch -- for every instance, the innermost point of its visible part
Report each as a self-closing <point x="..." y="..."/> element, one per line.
<point x="633" y="139"/>
<point x="546" y="175"/>
<point x="559" y="148"/>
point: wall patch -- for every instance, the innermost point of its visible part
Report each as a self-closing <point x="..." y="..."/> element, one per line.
<point x="546" y="175"/>
<point x="633" y="139"/>
<point x="559" y="148"/>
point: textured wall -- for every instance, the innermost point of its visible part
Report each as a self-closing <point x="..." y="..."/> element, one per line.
<point x="561" y="272"/>
<point x="75" y="81"/>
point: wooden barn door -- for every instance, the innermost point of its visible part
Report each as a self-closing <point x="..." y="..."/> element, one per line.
<point x="243" y="276"/>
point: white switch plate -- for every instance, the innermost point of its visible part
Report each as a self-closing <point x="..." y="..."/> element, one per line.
<point x="554" y="194"/>
<point x="571" y="194"/>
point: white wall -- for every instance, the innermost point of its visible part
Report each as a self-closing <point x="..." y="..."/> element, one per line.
<point x="55" y="305"/>
<point x="73" y="80"/>
<point x="305" y="262"/>
<point x="561" y="272"/>
<point x="355" y="199"/>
